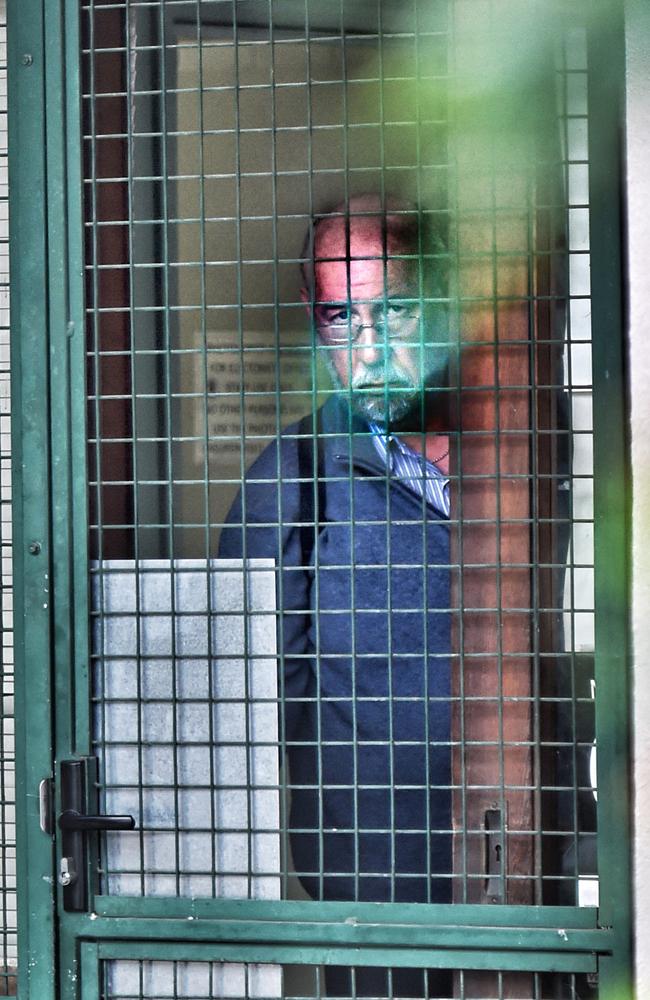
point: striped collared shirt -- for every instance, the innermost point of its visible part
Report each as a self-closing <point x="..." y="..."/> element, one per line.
<point x="417" y="473"/>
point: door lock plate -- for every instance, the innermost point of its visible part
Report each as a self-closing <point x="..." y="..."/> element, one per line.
<point x="495" y="856"/>
<point x="67" y="873"/>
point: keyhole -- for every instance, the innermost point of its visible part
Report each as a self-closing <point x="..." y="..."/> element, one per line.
<point x="497" y="851"/>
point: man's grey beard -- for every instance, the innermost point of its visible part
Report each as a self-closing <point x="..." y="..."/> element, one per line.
<point x="383" y="394"/>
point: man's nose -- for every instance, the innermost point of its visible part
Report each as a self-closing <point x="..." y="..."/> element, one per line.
<point x="370" y="344"/>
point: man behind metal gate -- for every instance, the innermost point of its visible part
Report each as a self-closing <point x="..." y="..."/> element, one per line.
<point x="352" y="503"/>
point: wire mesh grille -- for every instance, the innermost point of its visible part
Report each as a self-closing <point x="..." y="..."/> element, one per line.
<point x="133" y="980"/>
<point x="8" y="943"/>
<point x="432" y="622"/>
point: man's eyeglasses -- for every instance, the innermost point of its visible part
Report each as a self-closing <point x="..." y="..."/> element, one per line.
<point x="342" y="325"/>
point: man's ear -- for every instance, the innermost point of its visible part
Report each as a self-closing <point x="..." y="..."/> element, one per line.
<point x="306" y="298"/>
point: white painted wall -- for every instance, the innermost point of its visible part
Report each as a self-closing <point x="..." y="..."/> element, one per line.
<point x="638" y="212"/>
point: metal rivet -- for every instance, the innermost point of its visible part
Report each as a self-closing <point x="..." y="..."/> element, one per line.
<point x="28" y="59"/>
<point x="35" y="548"/>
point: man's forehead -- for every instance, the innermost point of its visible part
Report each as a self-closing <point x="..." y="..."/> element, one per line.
<point x="363" y="278"/>
<point x="360" y="238"/>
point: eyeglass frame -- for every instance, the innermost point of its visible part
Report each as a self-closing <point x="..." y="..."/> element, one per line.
<point x="352" y="331"/>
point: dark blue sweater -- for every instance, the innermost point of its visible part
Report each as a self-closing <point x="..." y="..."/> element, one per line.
<point x="364" y="634"/>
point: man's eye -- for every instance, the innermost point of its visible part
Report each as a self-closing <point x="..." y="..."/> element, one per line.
<point x="339" y="318"/>
<point x="396" y="309"/>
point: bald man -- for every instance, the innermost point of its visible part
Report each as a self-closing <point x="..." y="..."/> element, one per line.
<point x="352" y="504"/>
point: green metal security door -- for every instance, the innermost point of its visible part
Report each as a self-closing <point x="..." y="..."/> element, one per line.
<point x="167" y="160"/>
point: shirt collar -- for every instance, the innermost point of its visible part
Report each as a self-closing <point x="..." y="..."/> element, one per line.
<point x="393" y="443"/>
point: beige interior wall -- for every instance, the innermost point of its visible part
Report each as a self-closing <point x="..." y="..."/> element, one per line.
<point x="302" y="147"/>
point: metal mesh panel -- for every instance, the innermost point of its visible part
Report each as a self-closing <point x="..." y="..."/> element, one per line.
<point x="8" y="954"/>
<point x="579" y="581"/>
<point x="135" y="980"/>
<point x="433" y="686"/>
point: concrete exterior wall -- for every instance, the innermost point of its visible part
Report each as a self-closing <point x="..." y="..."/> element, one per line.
<point x="638" y="214"/>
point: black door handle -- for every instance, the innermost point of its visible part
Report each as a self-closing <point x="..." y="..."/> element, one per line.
<point x="71" y="819"/>
<point x="77" y="821"/>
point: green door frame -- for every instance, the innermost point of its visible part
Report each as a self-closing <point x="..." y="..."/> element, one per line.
<point x="51" y="591"/>
<point x="31" y="491"/>
<point x="48" y="379"/>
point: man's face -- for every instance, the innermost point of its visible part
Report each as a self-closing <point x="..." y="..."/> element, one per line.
<point x="368" y="316"/>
